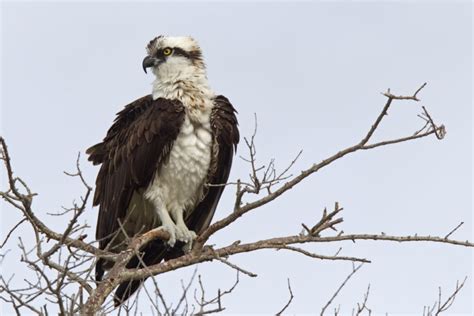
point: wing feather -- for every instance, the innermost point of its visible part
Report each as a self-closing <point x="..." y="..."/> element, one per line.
<point x="130" y="154"/>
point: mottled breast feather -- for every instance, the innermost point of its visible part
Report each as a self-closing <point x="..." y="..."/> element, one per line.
<point x="225" y="133"/>
<point x="140" y="137"/>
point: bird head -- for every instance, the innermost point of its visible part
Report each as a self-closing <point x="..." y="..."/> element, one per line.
<point x="172" y="57"/>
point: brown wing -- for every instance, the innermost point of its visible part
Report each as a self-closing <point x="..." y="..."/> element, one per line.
<point x="136" y="144"/>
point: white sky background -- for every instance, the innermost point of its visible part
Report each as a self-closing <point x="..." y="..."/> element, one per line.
<point x="313" y="73"/>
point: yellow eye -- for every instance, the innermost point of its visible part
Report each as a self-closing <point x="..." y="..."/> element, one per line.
<point x="167" y="51"/>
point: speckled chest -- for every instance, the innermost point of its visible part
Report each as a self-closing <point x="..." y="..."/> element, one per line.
<point x="190" y="157"/>
<point x="179" y="183"/>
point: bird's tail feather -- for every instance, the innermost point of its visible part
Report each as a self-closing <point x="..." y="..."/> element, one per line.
<point x="125" y="290"/>
<point x="153" y="253"/>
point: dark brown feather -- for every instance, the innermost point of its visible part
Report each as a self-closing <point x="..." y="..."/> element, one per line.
<point x="129" y="164"/>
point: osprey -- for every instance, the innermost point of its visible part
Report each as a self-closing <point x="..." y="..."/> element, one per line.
<point x="159" y="157"/>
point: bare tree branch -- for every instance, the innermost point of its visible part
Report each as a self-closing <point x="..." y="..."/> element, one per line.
<point x="363" y="306"/>
<point x="255" y="188"/>
<point x="236" y="267"/>
<point x="289" y="300"/>
<point x="454" y="230"/>
<point x="11" y="232"/>
<point x="443" y="305"/>
<point x="331" y="299"/>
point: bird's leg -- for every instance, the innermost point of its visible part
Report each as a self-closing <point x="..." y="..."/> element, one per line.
<point x="168" y="224"/>
<point x="182" y="231"/>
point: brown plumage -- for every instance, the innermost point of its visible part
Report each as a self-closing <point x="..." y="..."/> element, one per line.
<point x="136" y="146"/>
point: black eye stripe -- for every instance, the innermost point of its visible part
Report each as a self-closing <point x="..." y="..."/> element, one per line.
<point x="181" y="52"/>
<point x="193" y="55"/>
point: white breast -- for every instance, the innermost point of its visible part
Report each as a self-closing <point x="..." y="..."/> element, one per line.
<point x="179" y="183"/>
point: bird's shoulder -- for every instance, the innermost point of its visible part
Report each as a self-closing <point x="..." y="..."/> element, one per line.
<point x="139" y="122"/>
<point x="145" y="110"/>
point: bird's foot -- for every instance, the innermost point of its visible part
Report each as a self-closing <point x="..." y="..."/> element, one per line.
<point x="172" y="230"/>
<point x="185" y="235"/>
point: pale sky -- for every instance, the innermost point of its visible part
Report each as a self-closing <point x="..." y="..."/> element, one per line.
<point x="313" y="73"/>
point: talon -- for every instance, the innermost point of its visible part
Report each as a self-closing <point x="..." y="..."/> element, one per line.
<point x="188" y="246"/>
<point x="171" y="229"/>
<point x="183" y="233"/>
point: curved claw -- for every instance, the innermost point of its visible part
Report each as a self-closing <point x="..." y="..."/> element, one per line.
<point x="171" y="229"/>
<point x="185" y="235"/>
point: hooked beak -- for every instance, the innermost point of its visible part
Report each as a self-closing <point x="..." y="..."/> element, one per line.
<point x="148" y="62"/>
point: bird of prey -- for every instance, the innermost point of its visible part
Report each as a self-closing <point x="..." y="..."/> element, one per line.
<point x="159" y="157"/>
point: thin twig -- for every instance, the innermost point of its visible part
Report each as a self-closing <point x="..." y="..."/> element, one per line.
<point x="11" y="232"/>
<point x="329" y="302"/>
<point x="453" y="230"/>
<point x="236" y="267"/>
<point x="289" y="300"/>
